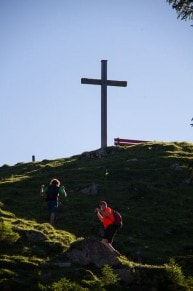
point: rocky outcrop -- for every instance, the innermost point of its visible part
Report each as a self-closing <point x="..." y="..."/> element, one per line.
<point x="92" y="189"/>
<point x="91" y="251"/>
<point x="31" y="235"/>
<point x="100" y="153"/>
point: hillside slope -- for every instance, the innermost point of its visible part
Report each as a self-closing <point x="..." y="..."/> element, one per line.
<point x="148" y="183"/>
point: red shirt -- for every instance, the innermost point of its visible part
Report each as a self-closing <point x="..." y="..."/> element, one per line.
<point x="107" y="220"/>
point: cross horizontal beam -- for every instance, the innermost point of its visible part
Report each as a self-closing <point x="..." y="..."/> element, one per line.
<point x="99" y="82"/>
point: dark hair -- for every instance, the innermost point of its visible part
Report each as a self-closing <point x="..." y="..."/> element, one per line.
<point x="103" y="203"/>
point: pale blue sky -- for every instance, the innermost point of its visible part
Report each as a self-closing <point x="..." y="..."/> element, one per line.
<point x="47" y="46"/>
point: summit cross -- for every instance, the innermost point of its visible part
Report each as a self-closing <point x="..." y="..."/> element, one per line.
<point x="104" y="83"/>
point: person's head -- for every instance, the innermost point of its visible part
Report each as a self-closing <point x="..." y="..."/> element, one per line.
<point x="55" y="181"/>
<point x="103" y="205"/>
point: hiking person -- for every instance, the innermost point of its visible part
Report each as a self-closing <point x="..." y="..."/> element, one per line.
<point x="106" y="216"/>
<point x="52" y="192"/>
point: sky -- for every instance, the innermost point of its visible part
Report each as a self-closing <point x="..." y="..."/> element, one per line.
<point x="47" y="46"/>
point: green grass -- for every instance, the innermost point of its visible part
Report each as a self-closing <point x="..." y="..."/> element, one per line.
<point x="139" y="181"/>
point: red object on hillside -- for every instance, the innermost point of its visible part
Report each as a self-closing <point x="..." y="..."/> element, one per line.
<point x="127" y="142"/>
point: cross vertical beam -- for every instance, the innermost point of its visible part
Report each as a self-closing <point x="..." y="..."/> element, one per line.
<point x="104" y="83"/>
<point x="103" y="103"/>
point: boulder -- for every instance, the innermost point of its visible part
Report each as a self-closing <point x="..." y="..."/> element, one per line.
<point x="35" y="236"/>
<point x="91" y="251"/>
<point x="31" y="235"/>
<point x="92" y="189"/>
<point x="125" y="275"/>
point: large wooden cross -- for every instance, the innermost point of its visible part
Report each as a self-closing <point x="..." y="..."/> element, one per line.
<point x="104" y="83"/>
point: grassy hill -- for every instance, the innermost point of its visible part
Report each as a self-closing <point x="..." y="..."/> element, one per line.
<point x="148" y="184"/>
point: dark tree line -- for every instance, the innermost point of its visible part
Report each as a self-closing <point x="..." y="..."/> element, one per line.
<point x="184" y="8"/>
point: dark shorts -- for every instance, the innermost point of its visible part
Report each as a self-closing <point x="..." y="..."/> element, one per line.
<point x="52" y="206"/>
<point x="110" y="232"/>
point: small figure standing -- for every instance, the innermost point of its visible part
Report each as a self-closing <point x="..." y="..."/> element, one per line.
<point x="106" y="216"/>
<point x="52" y="192"/>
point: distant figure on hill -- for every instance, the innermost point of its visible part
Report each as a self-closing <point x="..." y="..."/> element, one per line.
<point x="106" y="216"/>
<point x="52" y="192"/>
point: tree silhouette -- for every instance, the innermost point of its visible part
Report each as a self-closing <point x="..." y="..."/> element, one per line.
<point x="184" y="8"/>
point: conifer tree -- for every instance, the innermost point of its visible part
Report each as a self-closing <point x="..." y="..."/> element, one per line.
<point x="184" y="8"/>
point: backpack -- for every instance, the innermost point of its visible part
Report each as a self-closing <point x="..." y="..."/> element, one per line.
<point x="52" y="192"/>
<point x="118" y="218"/>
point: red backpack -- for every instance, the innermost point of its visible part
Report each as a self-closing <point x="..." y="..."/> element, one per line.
<point x="118" y="218"/>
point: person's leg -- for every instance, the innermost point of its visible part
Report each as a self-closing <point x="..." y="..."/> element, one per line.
<point x="52" y="218"/>
<point x="54" y="206"/>
<point x="108" y="238"/>
<point x="109" y="245"/>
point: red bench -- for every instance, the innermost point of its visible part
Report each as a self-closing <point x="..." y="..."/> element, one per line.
<point x="127" y="142"/>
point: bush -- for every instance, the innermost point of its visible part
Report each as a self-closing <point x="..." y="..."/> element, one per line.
<point x="177" y="280"/>
<point x="108" y="278"/>
<point x="66" y="285"/>
<point x="7" y="235"/>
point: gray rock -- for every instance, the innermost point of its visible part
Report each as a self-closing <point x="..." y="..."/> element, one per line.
<point x="125" y="275"/>
<point x="35" y="236"/>
<point x="91" y="251"/>
<point x="92" y="189"/>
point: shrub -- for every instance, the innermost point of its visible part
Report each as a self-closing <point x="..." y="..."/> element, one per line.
<point x="108" y="278"/>
<point x="66" y="285"/>
<point x="7" y="235"/>
<point x="176" y="277"/>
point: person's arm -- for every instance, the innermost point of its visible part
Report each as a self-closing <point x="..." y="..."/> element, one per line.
<point x="104" y="213"/>
<point x="101" y="213"/>
<point x="98" y="213"/>
<point x="62" y="191"/>
<point x="42" y="190"/>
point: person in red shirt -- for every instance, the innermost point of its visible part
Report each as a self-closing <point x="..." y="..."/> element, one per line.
<point x="106" y="216"/>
